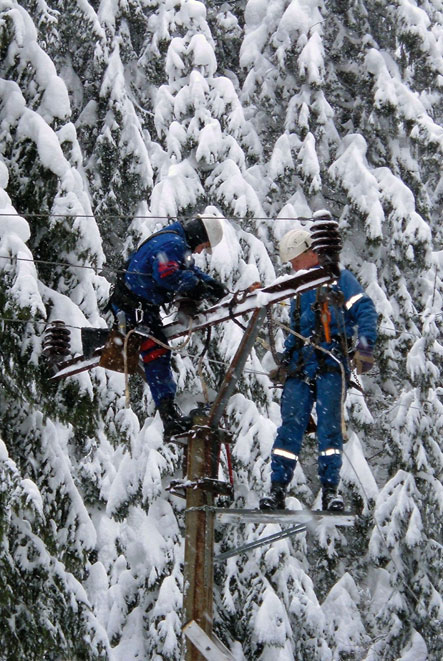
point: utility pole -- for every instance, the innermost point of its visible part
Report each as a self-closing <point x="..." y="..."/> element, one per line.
<point x="201" y="486"/>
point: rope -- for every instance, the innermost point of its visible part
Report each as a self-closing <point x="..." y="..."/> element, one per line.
<point x="125" y="363"/>
<point x="237" y="297"/>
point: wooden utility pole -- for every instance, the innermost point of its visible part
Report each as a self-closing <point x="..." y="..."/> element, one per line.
<point x="199" y="539"/>
<point x="201" y="486"/>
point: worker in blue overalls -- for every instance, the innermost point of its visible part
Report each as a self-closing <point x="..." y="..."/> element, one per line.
<point x="318" y="370"/>
<point x="160" y="269"/>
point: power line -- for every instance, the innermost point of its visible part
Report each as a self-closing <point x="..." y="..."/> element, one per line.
<point x="21" y="321"/>
<point x="47" y="262"/>
<point x="105" y="269"/>
<point x="99" y="270"/>
<point x="153" y="217"/>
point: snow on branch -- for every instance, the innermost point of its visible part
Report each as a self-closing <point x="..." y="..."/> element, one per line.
<point x="352" y="170"/>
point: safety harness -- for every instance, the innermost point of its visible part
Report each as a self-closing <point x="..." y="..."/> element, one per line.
<point x="123" y="297"/>
<point x="325" y="299"/>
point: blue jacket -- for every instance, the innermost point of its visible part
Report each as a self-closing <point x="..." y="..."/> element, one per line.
<point x="163" y="266"/>
<point x="357" y="312"/>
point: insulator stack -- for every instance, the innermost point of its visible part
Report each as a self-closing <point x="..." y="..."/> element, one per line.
<point x="56" y="342"/>
<point x="326" y="240"/>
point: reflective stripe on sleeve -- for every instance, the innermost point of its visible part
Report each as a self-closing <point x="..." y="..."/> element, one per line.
<point x="329" y="452"/>
<point x="285" y="454"/>
<point x="353" y="300"/>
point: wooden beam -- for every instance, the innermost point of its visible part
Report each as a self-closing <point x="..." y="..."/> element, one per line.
<point x="210" y="647"/>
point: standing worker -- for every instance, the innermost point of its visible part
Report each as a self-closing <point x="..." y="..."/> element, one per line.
<point x="317" y="369"/>
<point x="161" y="268"/>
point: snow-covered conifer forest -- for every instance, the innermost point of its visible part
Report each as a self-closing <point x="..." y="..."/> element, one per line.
<point x="116" y="116"/>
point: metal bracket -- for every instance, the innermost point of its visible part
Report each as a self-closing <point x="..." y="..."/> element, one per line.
<point x="295" y="530"/>
<point x="223" y="435"/>
<point x="179" y="487"/>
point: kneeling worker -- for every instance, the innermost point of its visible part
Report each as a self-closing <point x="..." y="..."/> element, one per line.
<point x="161" y="268"/>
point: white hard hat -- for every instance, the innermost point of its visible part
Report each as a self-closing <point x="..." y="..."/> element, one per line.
<point x="294" y="243"/>
<point x="214" y="230"/>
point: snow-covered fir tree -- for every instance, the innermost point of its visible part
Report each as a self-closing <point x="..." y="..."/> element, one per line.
<point x="116" y="117"/>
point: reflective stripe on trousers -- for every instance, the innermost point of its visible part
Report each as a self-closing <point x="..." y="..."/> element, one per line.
<point x="296" y="405"/>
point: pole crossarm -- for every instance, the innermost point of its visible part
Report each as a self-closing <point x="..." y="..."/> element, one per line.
<point x="229" y="308"/>
<point x="283" y="288"/>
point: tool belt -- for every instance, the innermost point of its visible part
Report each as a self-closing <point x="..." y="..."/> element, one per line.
<point x="126" y="300"/>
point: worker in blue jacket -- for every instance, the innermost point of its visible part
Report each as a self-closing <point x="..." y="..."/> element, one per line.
<point x="160" y="269"/>
<point x="317" y="370"/>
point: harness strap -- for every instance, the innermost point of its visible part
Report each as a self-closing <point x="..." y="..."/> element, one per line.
<point x="123" y="297"/>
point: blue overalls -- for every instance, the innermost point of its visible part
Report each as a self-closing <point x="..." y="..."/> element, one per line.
<point x="161" y="267"/>
<point x="314" y="376"/>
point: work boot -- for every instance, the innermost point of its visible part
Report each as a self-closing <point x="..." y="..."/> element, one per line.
<point x="332" y="501"/>
<point x="174" y="422"/>
<point x="276" y="498"/>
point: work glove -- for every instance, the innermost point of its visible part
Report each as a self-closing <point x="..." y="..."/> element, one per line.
<point x="216" y="290"/>
<point x="187" y="308"/>
<point x="363" y="358"/>
<point x="279" y="374"/>
<point x="211" y="290"/>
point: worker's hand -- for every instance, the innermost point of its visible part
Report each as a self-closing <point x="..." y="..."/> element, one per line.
<point x="208" y="290"/>
<point x="278" y="375"/>
<point x="363" y="359"/>
<point x="216" y="290"/>
<point x="187" y="307"/>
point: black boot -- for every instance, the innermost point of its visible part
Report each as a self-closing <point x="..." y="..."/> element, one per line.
<point x="276" y="498"/>
<point x="174" y="422"/>
<point x="331" y="500"/>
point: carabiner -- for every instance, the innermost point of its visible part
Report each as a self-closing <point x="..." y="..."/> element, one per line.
<point x="138" y="314"/>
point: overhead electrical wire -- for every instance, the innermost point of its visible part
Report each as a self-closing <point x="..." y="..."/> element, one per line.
<point x="150" y="216"/>
<point x="103" y="269"/>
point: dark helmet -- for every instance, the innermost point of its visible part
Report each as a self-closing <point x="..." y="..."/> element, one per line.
<point x="203" y="230"/>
